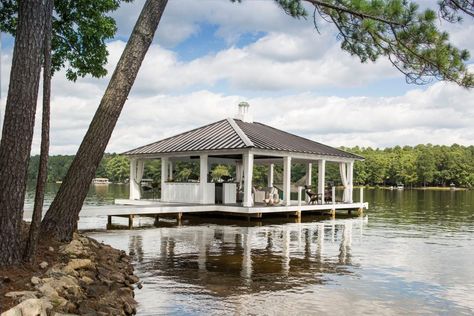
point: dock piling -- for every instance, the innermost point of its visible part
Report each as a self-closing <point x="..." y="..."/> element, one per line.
<point x="130" y="221"/>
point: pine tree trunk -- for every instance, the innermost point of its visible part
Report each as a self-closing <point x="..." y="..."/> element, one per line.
<point x="31" y="245"/>
<point x="61" y="219"/>
<point x="18" y="125"/>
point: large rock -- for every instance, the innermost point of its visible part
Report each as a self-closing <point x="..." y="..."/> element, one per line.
<point x="75" y="247"/>
<point x="62" y="286"/>
<point x="35" y="280"/>
<point x="36" y="307"/>
<point x="76" y="264"/>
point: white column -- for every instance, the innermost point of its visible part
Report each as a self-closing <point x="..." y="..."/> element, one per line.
<point x="286" y="180"/>
<point x="350" y="178"/>
<point x="170" y="169"/>
<point x="270" y="175"/>
<point x="321" y="177"/>
<point x="203" y="171"/>
<point x="309" y="175"/>
<point x="248" y="177"/>
<point x="164" y="178"/>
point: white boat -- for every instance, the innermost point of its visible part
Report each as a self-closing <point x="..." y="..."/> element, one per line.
<point x="99" y="181"/>
<point x="400" y="186"/>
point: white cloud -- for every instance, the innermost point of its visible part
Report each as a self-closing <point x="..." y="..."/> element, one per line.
<point x="416" y="117"/>
<point x="259" y="66"/>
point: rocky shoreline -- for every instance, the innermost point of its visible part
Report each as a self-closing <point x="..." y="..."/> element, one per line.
<point x="84" y="277"/>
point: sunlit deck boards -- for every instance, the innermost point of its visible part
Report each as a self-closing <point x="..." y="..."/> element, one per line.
<point x="153" y="207"/>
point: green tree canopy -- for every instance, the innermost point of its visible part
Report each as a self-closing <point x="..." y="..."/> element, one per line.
<point x="118" y="168"/>
<point x="80" y="31"/>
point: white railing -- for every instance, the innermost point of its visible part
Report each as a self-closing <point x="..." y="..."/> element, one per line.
<point x="187" y="192"/>
<point x="333" y="197"/>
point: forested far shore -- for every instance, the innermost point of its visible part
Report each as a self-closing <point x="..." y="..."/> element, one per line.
<point x="421" y="165"/>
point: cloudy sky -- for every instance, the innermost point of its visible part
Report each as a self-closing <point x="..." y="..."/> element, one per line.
<point x="210" y="54"/>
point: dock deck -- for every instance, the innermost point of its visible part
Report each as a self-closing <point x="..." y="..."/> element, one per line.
<point x="134" y="208"/>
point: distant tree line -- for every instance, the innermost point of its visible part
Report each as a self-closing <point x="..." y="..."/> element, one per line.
<point x="422" y="165"/>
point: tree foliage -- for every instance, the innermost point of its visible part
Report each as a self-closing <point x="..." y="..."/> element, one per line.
<point x="422" y="165"/>
<point x="397" y="30"/>
<point x="117" y="168"/>
<point x="453" y="10"/>
<point x="80" y="31"/>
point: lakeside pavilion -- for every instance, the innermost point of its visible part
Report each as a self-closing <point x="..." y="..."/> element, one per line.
<point x="242" y="143"/>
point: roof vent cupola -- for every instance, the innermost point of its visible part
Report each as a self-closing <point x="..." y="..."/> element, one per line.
<point x="244" y="113"/>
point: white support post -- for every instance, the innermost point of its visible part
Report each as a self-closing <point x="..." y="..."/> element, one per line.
<point x="361" y="196"/>
<point x="164" y="178"/>
<point x="248" y="178"/>
<point x="300" y="195"/>
<point x="270" y="175"/>
<point x="321" y="178"/>
<point x="287" y="181"/>
<point x="170" y="170"/>
<point x="350" y="178"/>
<point x="203" y="171"/>
<point x="309" y="175"/>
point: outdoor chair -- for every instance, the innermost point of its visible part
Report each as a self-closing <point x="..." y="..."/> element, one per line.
<point x="314" y="198"/>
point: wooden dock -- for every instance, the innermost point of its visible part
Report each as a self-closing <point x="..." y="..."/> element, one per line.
<point x="135" y="208"/>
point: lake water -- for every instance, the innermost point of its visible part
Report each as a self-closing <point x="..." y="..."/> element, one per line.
<point x="413" y="253"/>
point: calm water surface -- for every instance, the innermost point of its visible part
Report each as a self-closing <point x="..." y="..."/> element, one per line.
<point x="412" y="254"/>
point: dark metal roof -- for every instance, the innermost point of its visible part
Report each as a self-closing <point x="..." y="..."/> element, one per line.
<point x="236" y="134"/>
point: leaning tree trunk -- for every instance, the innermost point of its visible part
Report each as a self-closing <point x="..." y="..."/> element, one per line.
<point x="32" y="242"/>
<point x="61" y="219"/>
<point x="18" y="125"/>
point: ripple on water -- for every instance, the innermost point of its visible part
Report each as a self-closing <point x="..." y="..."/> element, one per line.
<point x="413" y="255"/>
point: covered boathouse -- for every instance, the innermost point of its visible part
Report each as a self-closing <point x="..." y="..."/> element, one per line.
<point x="242" y="143"/>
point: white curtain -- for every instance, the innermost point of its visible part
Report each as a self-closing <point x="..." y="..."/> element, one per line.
<point x="344" y="180"/>
<point x="136" y="174"/>
<point x="239" y="173"/>
<point x="139" y="172"/>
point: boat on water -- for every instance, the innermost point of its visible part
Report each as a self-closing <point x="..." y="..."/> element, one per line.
<point x="101" y="181"/>
<point x="400" y="186"/>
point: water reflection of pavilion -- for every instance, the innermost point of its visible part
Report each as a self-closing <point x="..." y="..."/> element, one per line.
<point x="223" y="259"/>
